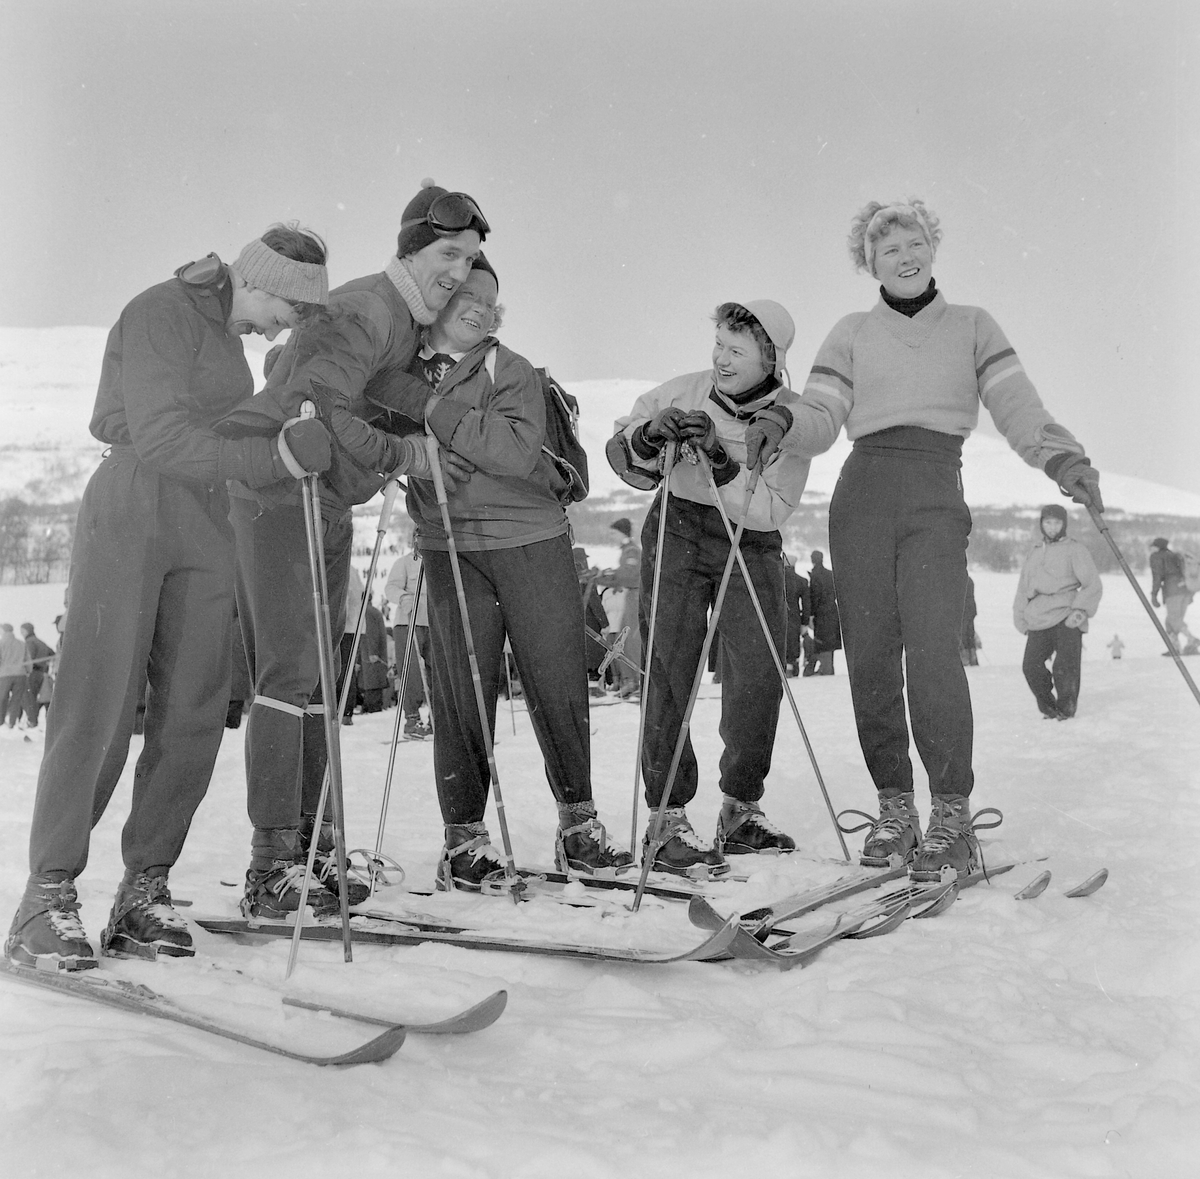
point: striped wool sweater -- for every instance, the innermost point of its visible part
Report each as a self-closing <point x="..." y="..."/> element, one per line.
<point x="879" y="369"/>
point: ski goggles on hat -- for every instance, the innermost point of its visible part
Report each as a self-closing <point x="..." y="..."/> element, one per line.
<point x="452" y="213"/>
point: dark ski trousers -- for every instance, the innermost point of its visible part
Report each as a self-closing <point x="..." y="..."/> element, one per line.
<point x="531" y="593"/>
<point x="898" y="529"/>
<point x="151" y="603"/>
<point x="1058" y="691"/>
<point x="696" y="548"/>
<point x="285" y="731"/>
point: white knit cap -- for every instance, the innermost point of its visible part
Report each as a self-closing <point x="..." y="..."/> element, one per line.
<point x="297" y="282"/>
<point x="778" y="325"/>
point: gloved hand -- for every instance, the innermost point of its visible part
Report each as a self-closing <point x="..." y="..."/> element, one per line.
<point x="270" y="359"/>
<point x="1154" y="600"/>
<point x="412" y="459"/>
<point x="765" y="433"/>
<point x="699" y="429"/>
<point x="1075" y="619"/>
<point x="666" y="426"/>
<point x="308" y="441"/>
<point x="1077" y="478"/>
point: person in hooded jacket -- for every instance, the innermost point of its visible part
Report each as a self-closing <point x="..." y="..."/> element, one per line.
<point x="514" y="550"/>
<point x="1057" y="592"/>
<point x="151" y="589"/>
<point x="736" y="412"/>
<point x="353" y="364"/>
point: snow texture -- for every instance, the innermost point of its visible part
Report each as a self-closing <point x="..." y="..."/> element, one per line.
<point x="1041" y="1039"/>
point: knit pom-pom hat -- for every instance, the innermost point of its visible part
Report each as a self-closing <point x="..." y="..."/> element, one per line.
<point x="420" y="234"/>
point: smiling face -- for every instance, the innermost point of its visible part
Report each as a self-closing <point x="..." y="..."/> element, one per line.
<point x="737" y="362"/>
<point x="256" y="312"/>
<point x="903" y="262"/>
<point x="468" y="316"/>
<point x="441" y="267"/>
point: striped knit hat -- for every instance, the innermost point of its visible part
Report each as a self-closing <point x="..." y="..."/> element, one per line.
<point x="297" y="282"/>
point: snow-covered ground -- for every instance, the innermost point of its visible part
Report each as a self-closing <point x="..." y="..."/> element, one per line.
<point x="1007" y="1039"/>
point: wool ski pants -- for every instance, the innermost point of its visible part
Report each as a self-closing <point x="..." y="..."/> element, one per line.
<point x="414" y="687"/>
<point x="696" y="548"/>
<point x="151" y="603"/>
<point x="285" y="731"/>
<point x="898" y="529"/>
<point x="1056" y="691"/>
<point x="531" y="593"/>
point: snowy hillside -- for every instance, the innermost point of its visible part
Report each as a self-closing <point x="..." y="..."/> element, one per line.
<point x="48" y="383"/>
<point x="1040" y="1039"/>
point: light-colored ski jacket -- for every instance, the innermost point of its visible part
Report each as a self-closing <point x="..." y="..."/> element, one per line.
<point x="1057" y="577"/>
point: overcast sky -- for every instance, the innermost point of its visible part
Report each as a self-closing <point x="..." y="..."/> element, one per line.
<point x="642" y="162"/>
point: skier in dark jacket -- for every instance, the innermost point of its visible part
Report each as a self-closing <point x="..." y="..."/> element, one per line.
<point x="796" y="593"/>
<point x="1167" y="578"/>
<point x="38" y="655"/>
<point x="354" y="364"/>
<point x="519" y="580"/>
<point x="827" y="625"/>
<point x="152" y="589"/>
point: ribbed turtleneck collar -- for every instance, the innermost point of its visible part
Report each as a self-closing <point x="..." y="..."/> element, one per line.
<point x="910" y="307"/>
<point x="397" y="270"/>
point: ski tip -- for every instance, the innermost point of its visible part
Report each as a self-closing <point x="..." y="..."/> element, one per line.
<point x="703" y="915"/>
<point x="1034" y="888"/>
<point x="1090" y="885"/>
<point x="385" y="1045"/>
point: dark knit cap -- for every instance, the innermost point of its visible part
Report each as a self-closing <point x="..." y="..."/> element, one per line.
<point x="481" y="263"/>
<point x="417" y="237"/>
<point x="623" y="526"/>
<point x="1160" y="542"/>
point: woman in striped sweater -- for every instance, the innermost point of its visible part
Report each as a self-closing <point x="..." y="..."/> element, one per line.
<point x="906" y="380"/>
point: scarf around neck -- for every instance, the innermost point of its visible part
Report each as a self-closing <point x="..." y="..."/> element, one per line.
<point x="400" y="274"/>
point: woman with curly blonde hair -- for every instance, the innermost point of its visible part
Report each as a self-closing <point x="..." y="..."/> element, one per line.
<point x="906" y="380"/>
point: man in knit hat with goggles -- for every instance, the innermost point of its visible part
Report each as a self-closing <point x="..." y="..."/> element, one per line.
<point x="738" y="414"/>
<point x="152" y="589"/>
<point x="353" y="363"/>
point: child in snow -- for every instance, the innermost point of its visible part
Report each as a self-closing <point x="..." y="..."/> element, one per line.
<point x="1057" y="592"/>
<point x="1116" y="646"/>
<point x="906" y="380"/>
<point x="152" y="589"/>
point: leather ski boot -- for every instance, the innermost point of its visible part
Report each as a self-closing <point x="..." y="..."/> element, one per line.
<point x="679" y="850"/>
<point x="358" y="889"/>
<point x="469" y="861"/>
<point x="743" y="829"/>
<point x="581" y="843"/>
<point x="143" y="922"/>
<point x="275" y="876"/>
<point x="895" y="836"/>
<point x="46" y="932"/>
<point x="949" y="840"/>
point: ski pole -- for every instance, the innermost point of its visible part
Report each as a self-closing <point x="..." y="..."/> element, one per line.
<point x="515" y="884"/>
<point x="333" y="749"/>
<point x="787" y="688"/>
<point x="701" y="665"/>
<point x="512" y="709"/>
<point x="669" y="456"/>
<point x="405" y="671"/>
<point x="1098" y="520"/>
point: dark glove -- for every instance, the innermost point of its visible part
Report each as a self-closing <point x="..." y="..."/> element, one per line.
<point x="666" y="426"/>
<point x="456" y="470"/>
<point x="765" y="433"/>
<point x="699" y="429"/>
<point x="308" y="441"/>
<point x="270" y="359"/>
<point x="1077" y="478"/>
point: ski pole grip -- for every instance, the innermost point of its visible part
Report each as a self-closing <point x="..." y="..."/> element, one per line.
<point x="435" y="468"/>
<point x="390" y="490"/>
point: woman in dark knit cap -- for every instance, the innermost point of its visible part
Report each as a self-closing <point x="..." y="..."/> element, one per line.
<point x="354" y="366"/>
<point x="514" y="548"/>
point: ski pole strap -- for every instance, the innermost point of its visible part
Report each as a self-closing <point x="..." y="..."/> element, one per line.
<point x="285" y="452"/>
<point x="278" y="705"/>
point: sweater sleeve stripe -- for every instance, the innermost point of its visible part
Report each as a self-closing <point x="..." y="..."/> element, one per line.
<point x="833" y="372"/>
<point x="1003" y="354"/>
<point x="831" y="390"/>
<point x="996" y="378"/>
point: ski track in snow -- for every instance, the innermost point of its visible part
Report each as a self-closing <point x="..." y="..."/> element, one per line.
<point x="1045" y="1038"/>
